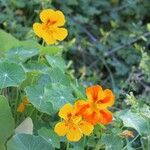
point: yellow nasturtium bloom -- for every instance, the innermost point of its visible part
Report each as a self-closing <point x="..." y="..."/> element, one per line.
<point x="73" y="126"/>
<point x="51" y="27"/>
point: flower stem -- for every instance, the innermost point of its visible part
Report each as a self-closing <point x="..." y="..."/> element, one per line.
<point x="68" y="144"/>
<point x="43" y="43"/>
<point x="84" y="141"/>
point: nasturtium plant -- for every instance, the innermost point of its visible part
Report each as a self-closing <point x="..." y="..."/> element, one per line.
<point x="74" y="75"/>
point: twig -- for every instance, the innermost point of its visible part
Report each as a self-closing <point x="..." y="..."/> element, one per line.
<point x="131" y="141"/>
<point x="124" y="45"/>
<point x="90" y="35"/>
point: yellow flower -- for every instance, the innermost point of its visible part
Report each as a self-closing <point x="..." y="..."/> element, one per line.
<point x="50" y="29"/>
<point x="73" y="126"/>
<point x="22" y="105"/>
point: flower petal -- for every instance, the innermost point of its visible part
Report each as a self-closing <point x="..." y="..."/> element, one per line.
<point x="61" y="18"/>
<point x="21" y="108"/>
<point x="47" y="14"/>
<point x="92" y="92"/>
<point x="74" y="134"/>
<point x="107" y="100"/>
<point x="92" y="118"/>
<point x="61" y="128"/>
<point x="26" y="101"/>
<point x="86" y="127"/>
<point x="81" y="106"/>
<point x="65" y="110"/>
<point x="60" y="33"/>
<point x="105" y="117"/>
<point x="37" y="28"/>
<point x="48" y="38"/>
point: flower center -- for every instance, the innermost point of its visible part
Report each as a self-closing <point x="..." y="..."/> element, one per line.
<point x="72" y="120"/>
<point x="94" y="107"/>
<point x="50" y="22"/>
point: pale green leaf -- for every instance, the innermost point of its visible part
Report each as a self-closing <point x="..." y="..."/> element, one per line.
<point x="148" y="26"/>
<point x="25" y="127"/>
<point x="51" y="50"/>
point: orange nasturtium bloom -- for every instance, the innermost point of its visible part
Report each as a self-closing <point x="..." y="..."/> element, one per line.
<point x="22" y="105"/>
<point x="95" y="108"/>
<point x="51" y="27"/>
<point x="73" y="126"/>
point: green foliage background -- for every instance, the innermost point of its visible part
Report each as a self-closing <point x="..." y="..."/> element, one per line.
<point x="108" y="44"/>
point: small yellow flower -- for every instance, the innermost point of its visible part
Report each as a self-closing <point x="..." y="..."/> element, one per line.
<point x="73" y="126"/>
<point x="50" y="28"/>
<point x="22" y="105"/>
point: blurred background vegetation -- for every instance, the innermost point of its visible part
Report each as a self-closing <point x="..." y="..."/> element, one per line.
<point x="108" y="42"/>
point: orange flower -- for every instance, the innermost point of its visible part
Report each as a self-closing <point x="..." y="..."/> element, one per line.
<point x="94" y="110"/>
<point x="22" y="105"/>
<point x="72" y="125"/>
<point x="50" y="29"/>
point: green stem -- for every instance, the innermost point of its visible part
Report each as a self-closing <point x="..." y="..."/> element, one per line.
<point x="131" y="141"/>
<point x="43" y="43"/>
<point x="32" y="112"/>
<point x="77" y="91"/>
<point x="68" y="144"/>
<point x="84" y="142"/>
<point x="16" y="104"/>
<point x="40" y="116"/>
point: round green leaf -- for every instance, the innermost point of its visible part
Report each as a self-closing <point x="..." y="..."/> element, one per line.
<point x="112" y="142"/>
<point x="37" y="98"/>
<point x="28" y="142"/>
<point x="58" y="95"/>
<point x="56" y="61"/>
<point x="11" y="74"/>
<point x="20" y="54"/>
<point x="50" y="136"/>
<point x="58" y="77"/>
<point x="135" y="121"/>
